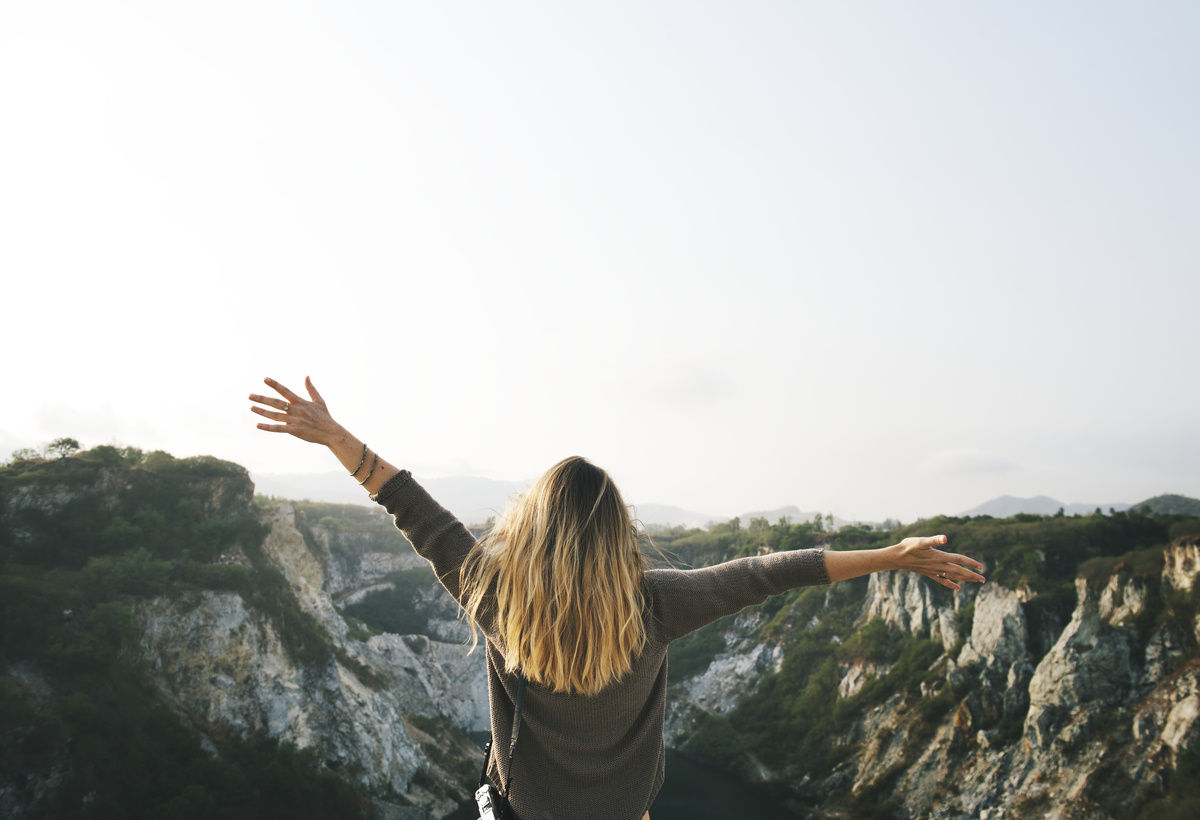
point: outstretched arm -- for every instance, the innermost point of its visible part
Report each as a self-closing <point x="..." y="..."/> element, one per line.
<point x="919" y="555"/>
<point x="310" y="420"/>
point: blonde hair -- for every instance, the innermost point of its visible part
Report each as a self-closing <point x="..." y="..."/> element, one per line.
<point x="563" y="577"/>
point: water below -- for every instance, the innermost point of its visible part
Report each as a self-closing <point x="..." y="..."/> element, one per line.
<point x="696" y="792"/>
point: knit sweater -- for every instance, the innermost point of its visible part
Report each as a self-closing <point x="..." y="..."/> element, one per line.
<point x="599" y="757"/>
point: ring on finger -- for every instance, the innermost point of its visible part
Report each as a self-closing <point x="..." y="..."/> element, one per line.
<point x="941" y="575"/>
<point x="286" y="405"/>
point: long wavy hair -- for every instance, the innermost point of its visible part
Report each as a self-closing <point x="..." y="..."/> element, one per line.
<point x="563" y="576"/>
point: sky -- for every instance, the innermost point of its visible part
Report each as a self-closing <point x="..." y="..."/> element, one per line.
<point x="878" y="259"/>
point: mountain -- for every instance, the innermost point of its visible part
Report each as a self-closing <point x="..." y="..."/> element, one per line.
<point x="172" y="646"/>
<point x="790" y="512"/>
<point x="334" y="488"/>
<point x="1171" y="505"/>
<point x="664" y="515"/>
<point x="1007" y="505"/>
<point x="471" y="498"/>
<point x="1067" y="686"/>
<point x="169" y="647"/>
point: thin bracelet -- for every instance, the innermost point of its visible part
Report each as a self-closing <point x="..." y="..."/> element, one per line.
<point x="360" y="462"/>
<point x="374" y="461"/>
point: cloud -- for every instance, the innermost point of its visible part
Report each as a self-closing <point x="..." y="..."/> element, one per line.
<point x="966" y="462"/>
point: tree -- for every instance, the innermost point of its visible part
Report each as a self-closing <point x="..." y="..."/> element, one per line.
<point x="62" y="447"/>
<point x="25" y="454"/>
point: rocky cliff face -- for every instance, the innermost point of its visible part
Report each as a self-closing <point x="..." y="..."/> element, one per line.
<point x="1090" y="724"/>
<point x="390" y="713"/>
<point x="223" y="664"/>
<point x="1005" y="706"/>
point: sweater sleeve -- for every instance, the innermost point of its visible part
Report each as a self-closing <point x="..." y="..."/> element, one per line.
<point x="436" y="535"/>
<point x="685" y="600"/>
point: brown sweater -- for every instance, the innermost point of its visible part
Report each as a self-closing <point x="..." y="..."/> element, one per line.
<point x="599" y="757"/>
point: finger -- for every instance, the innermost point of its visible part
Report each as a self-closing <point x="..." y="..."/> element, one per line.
<point x="964" y="560"/>
<point x="963" y="574"/>
<point x="281" y="390"/>
<point x="945" y="581"/>
<point x="269" y="414"/>
<point x="312" y="390"/>
<point x="274" y="428"/>
<point x="276" y="403"/>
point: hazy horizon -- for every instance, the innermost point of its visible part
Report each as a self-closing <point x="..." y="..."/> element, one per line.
<point x="473" y="503"/>
<point x="881" y="260"/>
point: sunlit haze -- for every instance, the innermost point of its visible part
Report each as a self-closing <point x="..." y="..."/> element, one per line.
<point x="885" y="260"/>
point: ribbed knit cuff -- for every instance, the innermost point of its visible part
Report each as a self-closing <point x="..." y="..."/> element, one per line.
<point x="391" y="488"/>
<point x="818" y="565"/>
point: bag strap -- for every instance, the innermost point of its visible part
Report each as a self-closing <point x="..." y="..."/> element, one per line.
<point x="512" y="746"/>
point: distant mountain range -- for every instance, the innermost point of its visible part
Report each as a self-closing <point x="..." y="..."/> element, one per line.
<point x="472" y="499"/>
<point x="475" y="499"/>
<point x="664" y="515"/>
<point x="1007" y="505"/>
<point x="793" y="514"/>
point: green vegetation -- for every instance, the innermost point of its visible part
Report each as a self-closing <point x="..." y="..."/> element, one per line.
<point x="1145" y="563"/>
<point x="347" y="516"/>
<point x="796" y="718"/>
<point x="1170" y="505"/>
<point x="1183" y="803"/>
<point x="60" y="514"/>
<point x="691" y="654"/>
<point x="723" y="542"/>
<point x="391" y="610"/>
<point x="83" y="535"/>
<point x="1044" y="552"/>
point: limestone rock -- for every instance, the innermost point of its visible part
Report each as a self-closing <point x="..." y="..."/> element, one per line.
<point x="911" y="603"/>
<point x="224" y="664"/>
<point x="998" y="635"/>
<point x="856" y="674"/>
<point x="1181" y="562"/>
<point x="733" y="674"/>
<point x="1092" y="663"/>
<point x="1123" y="597"/>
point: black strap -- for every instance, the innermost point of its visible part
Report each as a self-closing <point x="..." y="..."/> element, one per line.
<point x="487" y="754"/>
<point x="512" y="746"/>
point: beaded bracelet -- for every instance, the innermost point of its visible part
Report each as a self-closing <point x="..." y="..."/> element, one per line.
<point x="360" y="462"/>
<point x="374" y="461"/>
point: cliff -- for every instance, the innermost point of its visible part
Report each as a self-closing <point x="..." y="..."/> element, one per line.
<point x="223" y="663"/>
<point x="250" y="643"/>
<point x="1011" y="713"/>
<point x="168" y="648"/>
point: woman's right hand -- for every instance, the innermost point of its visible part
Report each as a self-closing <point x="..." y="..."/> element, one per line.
<point x="922" y="556"/>
<point x="306" y="419"/>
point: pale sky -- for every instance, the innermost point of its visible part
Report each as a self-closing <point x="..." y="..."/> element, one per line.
<point x="880" y="259"/>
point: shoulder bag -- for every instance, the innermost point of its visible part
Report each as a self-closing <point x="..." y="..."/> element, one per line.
<point x="493" y="803"/>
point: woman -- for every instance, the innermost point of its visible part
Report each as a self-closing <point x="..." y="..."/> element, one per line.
<point x="562" y="594"/>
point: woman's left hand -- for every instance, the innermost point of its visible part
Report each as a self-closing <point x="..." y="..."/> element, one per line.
<point x="922" y="556"/>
